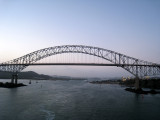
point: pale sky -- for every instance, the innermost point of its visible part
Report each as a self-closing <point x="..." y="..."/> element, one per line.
<point x="130" y="27"/>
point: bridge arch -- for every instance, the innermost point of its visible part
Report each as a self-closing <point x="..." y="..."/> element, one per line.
<point x="128" y="63"/>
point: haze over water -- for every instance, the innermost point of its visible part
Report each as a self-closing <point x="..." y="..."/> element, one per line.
<point x="75" y="100"/>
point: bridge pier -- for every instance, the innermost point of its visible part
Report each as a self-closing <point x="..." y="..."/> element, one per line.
<point x="14" y="78"/>
<point x="137" y="86"/>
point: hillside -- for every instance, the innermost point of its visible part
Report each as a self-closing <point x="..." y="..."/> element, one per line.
<point x="34" y="75"/>
<point x="25" y="75"/>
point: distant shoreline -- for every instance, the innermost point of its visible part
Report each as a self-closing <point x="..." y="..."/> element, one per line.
<point x="105" y="82"/>
<point x="149" y="83"/>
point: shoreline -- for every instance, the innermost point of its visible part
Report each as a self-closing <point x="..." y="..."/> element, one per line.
<point x="130" y="84"/>
<point x="141" y="91"/>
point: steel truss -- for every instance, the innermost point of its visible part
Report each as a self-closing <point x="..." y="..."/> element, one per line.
<point x="138" y="68"/>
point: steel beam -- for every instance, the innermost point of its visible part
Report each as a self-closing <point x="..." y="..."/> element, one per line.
<point x="135" y="66"/>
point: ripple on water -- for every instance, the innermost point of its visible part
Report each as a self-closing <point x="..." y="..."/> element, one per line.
<point x="49" y="114"/>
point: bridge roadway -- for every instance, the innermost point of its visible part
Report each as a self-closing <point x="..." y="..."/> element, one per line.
<point x="82" y="64"/>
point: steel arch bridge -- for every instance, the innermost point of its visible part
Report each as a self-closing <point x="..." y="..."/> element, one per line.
<point x="138" y="68"/>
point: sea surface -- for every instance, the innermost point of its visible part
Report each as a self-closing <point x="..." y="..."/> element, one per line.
<point x="75" y="100"/>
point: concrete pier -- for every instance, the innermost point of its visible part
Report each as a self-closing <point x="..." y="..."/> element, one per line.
<point x="137" y="86"/>
<point x="14" y="78"/>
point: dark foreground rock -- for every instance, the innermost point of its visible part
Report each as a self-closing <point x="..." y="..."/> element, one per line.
<point x="11" y="85"/>
<point x="140" y="91"/>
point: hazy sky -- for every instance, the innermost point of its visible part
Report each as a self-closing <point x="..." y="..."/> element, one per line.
<point x="131" y="27"/>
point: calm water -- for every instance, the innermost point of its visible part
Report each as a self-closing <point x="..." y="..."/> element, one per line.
<point x="75" y="100"/>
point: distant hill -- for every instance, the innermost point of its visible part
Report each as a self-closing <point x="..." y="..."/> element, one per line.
<point x="55" y="77"/>
<point x="34" y="75"/>
<point x="25" y="75"/>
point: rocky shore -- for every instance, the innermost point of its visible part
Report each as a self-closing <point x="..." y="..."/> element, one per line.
<point x="141" y="91"/>
<point x="150" y="83"/>
<point x="11" y="85"/>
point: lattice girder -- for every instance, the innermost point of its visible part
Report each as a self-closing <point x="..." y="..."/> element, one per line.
<point x="132" y="65"/>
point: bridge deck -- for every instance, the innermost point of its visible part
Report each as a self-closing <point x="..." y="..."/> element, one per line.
<point x="82" y="64"/>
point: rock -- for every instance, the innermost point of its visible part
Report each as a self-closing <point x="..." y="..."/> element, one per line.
<point x="11" y="85"/>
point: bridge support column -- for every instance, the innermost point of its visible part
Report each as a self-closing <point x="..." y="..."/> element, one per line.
<point x="14" y="78"/>
<point x="137" y="86"/>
